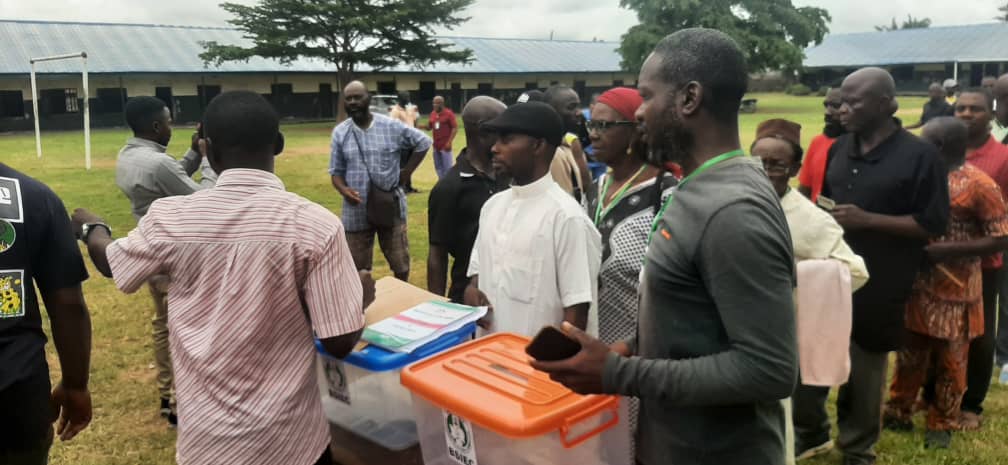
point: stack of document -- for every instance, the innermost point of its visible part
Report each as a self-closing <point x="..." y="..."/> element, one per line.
<point x="420" y="325"/>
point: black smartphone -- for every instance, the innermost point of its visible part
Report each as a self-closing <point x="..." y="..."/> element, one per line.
<point x="551" y="345"/>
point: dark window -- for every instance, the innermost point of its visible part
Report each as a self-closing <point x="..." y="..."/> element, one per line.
<point x="457" y="96"/>
<point x="579" y="88"/>
<point x="282" y="96"/>
<point x="902" y="73"/>
<point x="11" y="104"/>
<point x="531" y="85"/>
<point x="387" y="87"/>
<point x="326" y="100"/>
<point x="110" y="100"/>
<point x="165" y="95"/>
<point x="207" y="93"/>
<point x="425" y="96"/>
<point x="484" y="88"/>
<point x="72" y="106"/>
<point x="991" y="69"/>
<point x="427" y="90"/>
<point x="58" y="101"/>
<point x="617" y="83"/>
<point x="282" y="89"/>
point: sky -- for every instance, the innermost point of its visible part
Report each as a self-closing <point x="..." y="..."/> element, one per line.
<point x="565" y="19"/>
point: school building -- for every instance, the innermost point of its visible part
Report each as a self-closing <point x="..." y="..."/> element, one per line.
<point x="127" y="60"/>
<point x="915" y="57"/>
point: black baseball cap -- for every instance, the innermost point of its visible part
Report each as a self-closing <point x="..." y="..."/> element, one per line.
<point x="534" y="119"/>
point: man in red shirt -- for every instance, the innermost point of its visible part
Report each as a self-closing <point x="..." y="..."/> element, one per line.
<point x="810" y="180"/>
<point x="975" y="107"/>
<point x="442" y="123"/>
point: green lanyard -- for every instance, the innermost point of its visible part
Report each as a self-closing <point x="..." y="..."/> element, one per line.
<point x="599" y="212"/>
<point x="704" y="167"/>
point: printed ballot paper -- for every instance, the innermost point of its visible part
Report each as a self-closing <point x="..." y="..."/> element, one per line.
<point x="420" y="325"/>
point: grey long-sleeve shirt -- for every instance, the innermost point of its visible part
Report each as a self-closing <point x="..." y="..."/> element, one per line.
<point x="145" y="173"/>
<point x="716" y="348"/>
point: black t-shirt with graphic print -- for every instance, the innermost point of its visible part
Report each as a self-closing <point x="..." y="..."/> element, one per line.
<point x="37" y="247"/>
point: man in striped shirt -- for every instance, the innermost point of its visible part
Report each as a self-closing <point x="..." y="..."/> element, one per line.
<point x="254" y="271"/>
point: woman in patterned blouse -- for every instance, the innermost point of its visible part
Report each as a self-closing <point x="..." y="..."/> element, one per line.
<point x="623" y="207"/>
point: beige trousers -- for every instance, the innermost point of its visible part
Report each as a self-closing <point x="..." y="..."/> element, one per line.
<point x="162" y="353"/>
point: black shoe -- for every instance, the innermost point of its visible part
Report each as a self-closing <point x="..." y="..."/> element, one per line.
<point x="165" y="408"/>
<point x="937" y="439"/>
<point x="168" y="414"/>
<point x="897" y="424"/>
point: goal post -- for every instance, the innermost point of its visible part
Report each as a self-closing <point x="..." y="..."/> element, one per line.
<point x="87" y="112"/>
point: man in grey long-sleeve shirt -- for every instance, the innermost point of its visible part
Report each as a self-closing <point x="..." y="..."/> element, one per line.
<point x="716" y="348"/>
<point x="145" y="172"/>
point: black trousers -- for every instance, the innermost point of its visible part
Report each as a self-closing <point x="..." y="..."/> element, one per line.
<point x="981" y="351"/>
<point x="26" y="429"/>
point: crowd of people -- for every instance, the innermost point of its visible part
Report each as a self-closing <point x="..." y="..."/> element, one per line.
<point x="722" y="302"/>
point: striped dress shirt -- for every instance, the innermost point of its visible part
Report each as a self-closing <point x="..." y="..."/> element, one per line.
<point x="242" y="258"/>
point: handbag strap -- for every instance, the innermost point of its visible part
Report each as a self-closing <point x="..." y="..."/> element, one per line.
<point x="360" y="153"/>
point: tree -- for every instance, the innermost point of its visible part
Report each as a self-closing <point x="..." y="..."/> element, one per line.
<point x="910" y="23"/>
<point x="346" y="33"/>
<point x="773" y="33"/>
<point x="1003" y="16"/>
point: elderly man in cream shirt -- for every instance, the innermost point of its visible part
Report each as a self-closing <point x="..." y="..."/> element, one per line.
<point x="829" y="265"/>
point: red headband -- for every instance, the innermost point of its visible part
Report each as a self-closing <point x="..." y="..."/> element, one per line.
<point x="622" y="99"/>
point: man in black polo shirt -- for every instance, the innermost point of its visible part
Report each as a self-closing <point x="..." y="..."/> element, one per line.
<point x="37" y="248"/>
<point x="455" y="203"/>
<point x="891" y="194"/>
<point x="935" y="107"/>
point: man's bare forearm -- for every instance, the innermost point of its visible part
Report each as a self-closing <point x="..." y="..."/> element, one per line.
<point x="71" y="333"/>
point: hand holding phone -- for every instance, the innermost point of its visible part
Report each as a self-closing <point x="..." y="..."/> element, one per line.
<point x="551" y="345"/>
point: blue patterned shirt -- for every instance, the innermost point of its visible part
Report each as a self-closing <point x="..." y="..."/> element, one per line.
<point x="381" y="143"/>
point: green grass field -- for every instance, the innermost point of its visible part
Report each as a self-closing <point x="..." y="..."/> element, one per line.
<point x="127" y="430"/>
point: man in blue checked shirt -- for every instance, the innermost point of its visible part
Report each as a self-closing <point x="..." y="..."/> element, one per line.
<point x="366" y="150"/>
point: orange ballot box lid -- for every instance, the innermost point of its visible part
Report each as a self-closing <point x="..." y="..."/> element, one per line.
<point x="489" y="382"/>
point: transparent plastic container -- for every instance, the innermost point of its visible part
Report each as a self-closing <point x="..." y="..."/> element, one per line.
<point x="483" y="404"/>
<point x="362" y="393"/>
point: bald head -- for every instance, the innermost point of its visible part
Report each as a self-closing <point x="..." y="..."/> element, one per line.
<point x="988" y="82"/>
<point x="357" y="101"/>
<point x="875" y="80"/>
<point x="869" y="100"/>
<point x="936" y="91"/>
<point x="476" y="112"/>
<point x="950" y="135"/>
<point x="482" y="108"/>
<point x="355" y="86"/>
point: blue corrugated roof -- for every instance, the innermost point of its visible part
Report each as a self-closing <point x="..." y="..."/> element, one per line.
<point x="148" y="48"/>
<point x="969" y="43"/>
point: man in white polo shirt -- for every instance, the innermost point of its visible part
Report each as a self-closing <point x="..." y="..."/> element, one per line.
<point x="537" y="254"/>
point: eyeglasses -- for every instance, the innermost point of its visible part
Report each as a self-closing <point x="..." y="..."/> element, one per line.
<point x="832" y="105"/>
<point x="774" y="167"/>
<point x="603" y="126"/>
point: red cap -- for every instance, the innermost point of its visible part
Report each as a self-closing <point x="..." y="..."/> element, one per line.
<point x="622" y="99"/>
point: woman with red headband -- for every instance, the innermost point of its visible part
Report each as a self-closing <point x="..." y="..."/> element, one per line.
<point x="627" y="198"/>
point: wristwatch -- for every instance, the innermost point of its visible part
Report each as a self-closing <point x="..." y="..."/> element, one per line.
<point x="87" y="228"/>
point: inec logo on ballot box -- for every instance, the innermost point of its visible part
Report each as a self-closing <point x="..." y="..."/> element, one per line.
<point x="459" y="437"/>
<point x="336" y="380"/>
